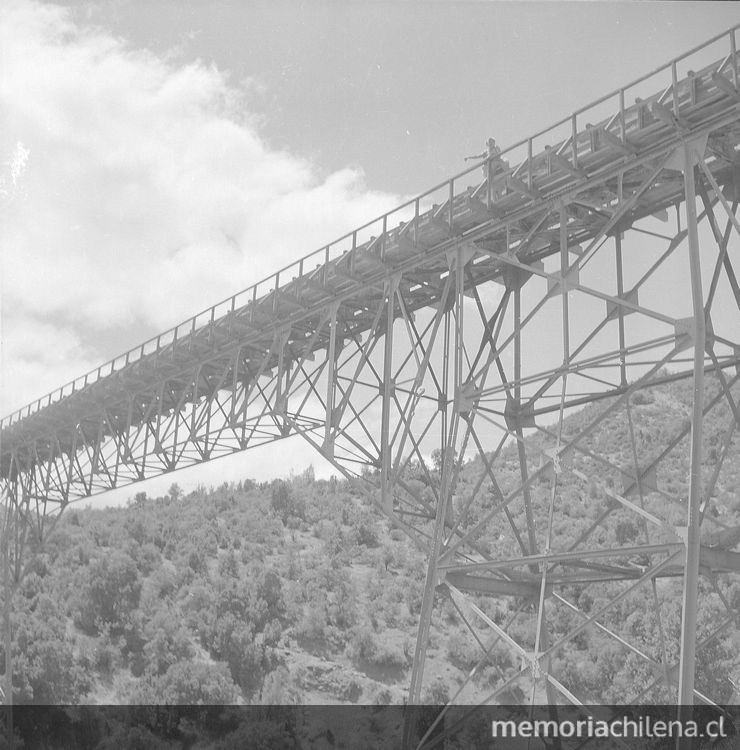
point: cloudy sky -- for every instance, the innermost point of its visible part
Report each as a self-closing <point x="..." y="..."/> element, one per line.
<point x="159" y="155"/>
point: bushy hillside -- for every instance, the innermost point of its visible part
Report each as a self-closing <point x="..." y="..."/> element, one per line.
<point x="295" y="592"/>
<point x="237" y="594"/>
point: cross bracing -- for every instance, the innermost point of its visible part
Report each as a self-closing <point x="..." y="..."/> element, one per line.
<point x="565" y="272"/>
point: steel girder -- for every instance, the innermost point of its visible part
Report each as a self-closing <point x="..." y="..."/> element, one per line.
<point x="473" y="329"/>
<point x="179" y="399"/>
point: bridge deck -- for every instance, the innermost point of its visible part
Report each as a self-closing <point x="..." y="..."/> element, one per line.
<point x="514" y="211"/>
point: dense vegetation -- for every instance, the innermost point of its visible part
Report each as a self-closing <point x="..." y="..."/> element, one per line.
<point x="205" y="598"/>
<point x="295" y="592"/>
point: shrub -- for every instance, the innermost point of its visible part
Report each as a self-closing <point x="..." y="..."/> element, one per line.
<point x="437" y="694"/>
<point x="234" y="642"/>
<point x="463" y="651"/>
<point x="284" y="502"/>
<point x="363" y="645"/>
<point x="168" y="642"/>
<point x="363" y="524"/>
<point x="351" y="691"/>
<point x="189" y="683"/>
<point x="626" y="531"/>
<point x="44" y="667"/>
<point x="364" y="648"/>
<point x="272" y="632"/>
<point x="642" y="398"/>
<point x="109" y="593"/>
<point x="107" y="654"/>
<point x="312" y="625"/>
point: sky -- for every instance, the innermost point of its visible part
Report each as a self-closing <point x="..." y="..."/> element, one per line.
<point x="157" y="156"/>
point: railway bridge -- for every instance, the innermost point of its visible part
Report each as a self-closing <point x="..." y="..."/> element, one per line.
<point x="581" y="266"/>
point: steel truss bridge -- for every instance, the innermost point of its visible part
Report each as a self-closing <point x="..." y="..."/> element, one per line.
<point x="581" y="266"/>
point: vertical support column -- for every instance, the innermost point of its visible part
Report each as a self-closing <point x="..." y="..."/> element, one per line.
<point x="620" y="309"/>
<point x="456" y="261"/>
<point x="691" y="570"/>
<point x="282" y="379"/>
<point x="386" y="494"/>
<point x="194" y="411"/>
<point x="522" y="451"/>
<point x="542" y="636"/>
<point x="448" y="478"/>
<point x="331" y="388"/>
<point x="541" y="668"/>
<point x="564" y="284"/>
<point x="552" y="697"/>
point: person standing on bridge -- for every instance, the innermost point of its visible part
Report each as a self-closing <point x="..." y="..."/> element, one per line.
<point x="492" y="155"/>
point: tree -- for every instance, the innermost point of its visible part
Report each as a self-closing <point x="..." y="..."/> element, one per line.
<point x="234" y="642"/>
<point x="109" y="593"/>
<point x="625" y="531"/>
<point x="45" y="670"/>
<point x="168" y="642"/>
<point x="309" y="475"/>
<point x="284" y="502"/>
<point x="438" y="459"/>
<point x="189" y="683"/>
<point x="364" y="525"/>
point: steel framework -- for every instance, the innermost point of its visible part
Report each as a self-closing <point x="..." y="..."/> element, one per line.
<point x="472" y="321"/>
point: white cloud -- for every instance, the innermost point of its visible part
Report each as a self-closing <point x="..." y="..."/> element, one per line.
<point x="135" y="192"/>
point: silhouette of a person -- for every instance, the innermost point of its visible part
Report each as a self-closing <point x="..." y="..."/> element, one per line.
<point x="492" y="155"/>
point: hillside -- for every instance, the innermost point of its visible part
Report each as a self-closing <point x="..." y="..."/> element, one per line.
<point x="296" y="593"/>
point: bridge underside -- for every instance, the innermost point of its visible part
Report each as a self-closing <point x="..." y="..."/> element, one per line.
<point x="459" y="344"/>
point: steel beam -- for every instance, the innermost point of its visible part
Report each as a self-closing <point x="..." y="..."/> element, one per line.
<point x="693" y="548"/>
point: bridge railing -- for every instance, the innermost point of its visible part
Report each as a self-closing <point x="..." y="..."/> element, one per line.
<point x="569" y="136"/>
